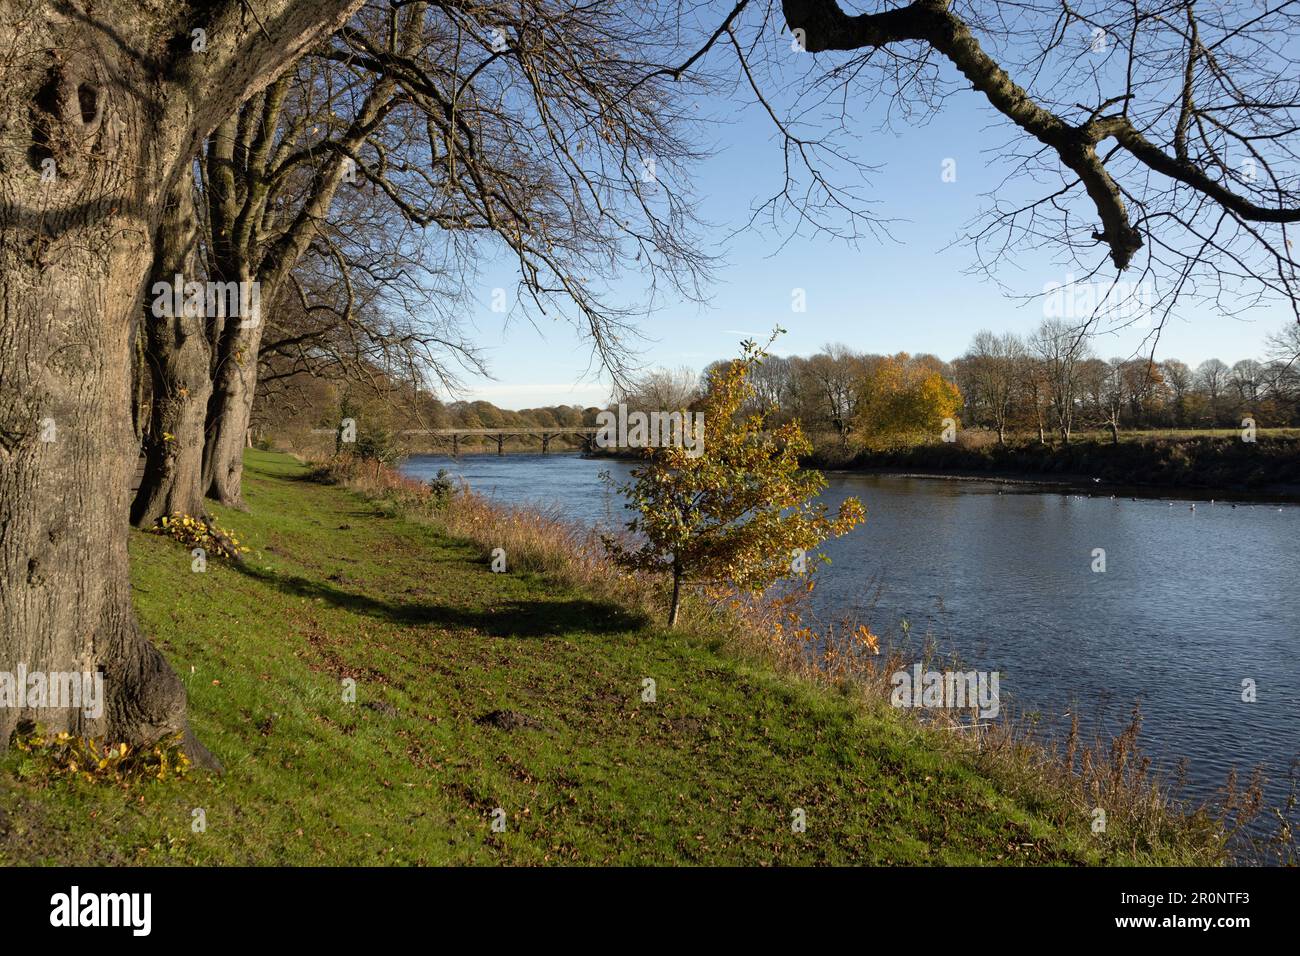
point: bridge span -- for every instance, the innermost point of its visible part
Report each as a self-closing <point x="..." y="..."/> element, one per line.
<point x="501" y="435"/>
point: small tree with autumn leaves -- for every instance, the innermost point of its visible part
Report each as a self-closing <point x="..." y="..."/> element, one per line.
<point x="737" y="512"/>
<point x="902" y="400"/>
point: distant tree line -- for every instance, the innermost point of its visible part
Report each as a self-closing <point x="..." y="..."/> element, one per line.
<point x="1052" y="382"/>
<point x="838" y="395"/>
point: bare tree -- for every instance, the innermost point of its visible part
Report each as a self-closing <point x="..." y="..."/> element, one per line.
<point x="994" y="365"/>
<point x="1248" y="380"/>
<point x="1060" y="348"/>
<point x="661" y="389"/>
<point x="1141" y="379"/>
<point x="1101" y="384"/>
<point x="1157" y="135"/>
<point x="1284" y="346"/>
<point x="1178" y="377"/>
<point x="375" y="318"/>
<point x="774" y="385"/>
<point x="537" y="125"/>
<point x="834" y="373"/>
<point x="1212" y="377"/>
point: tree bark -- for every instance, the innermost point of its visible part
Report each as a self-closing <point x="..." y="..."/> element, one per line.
<point x="230" y="407"/>
<point x="99" y="112"/>
<point x="178" y="361"/>
<point x="74" y="250"/>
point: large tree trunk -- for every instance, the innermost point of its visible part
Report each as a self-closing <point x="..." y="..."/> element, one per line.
<point x="74" y="251"/>
<point x="178" y="361"/>
<point x="235" y="339"/>
<point x="99" y="111"/>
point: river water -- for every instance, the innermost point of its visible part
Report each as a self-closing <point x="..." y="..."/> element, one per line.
<point x="1193" y="601"/>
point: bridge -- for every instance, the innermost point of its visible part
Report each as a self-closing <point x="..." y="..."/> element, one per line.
<point x="500" y="435"/>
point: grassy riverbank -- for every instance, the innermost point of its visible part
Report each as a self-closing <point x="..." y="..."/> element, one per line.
<point x="520" y="691"/>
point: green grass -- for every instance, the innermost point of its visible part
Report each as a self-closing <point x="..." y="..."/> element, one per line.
<point x="709" y="774"/>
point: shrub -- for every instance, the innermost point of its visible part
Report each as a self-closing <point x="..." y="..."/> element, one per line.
<point x="738" y="509"/>
<point x="378" y="445"/>
<point x="441" y="487"/>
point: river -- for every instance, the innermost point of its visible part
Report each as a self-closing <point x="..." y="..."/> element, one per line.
<point x="1193" y="601"/>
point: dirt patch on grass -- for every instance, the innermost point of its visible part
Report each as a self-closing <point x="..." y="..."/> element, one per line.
<point x="508" y="720"/>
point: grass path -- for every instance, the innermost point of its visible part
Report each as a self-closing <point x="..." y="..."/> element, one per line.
<point x="478" y="691"/>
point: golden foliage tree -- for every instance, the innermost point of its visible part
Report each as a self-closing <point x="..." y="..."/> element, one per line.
<point x="737" y="511"/>
<point x="902" y="399"/>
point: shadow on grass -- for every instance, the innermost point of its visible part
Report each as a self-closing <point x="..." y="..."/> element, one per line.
<point x="505" y="619"/>
<point x="311" y="476"/>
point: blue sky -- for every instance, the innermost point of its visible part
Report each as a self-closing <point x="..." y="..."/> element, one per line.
<point x="912" y="294"/>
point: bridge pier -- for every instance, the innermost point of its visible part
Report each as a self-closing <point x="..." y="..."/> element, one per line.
<point x="546" y="442"/>
<point x="501" y="439"/>
<point x="455" y="446"/>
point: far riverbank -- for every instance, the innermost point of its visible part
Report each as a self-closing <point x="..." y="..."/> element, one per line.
<point x="1199" y="468"/>
<point x="1194" y="468"/>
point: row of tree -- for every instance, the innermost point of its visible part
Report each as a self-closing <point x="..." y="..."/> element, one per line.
<point x="1053" y="381"/>
<point x="853" y="397"/>
<point x="355" y="192"/>
<point x="1050" y="382"/>
<point x="205" y="201"/>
